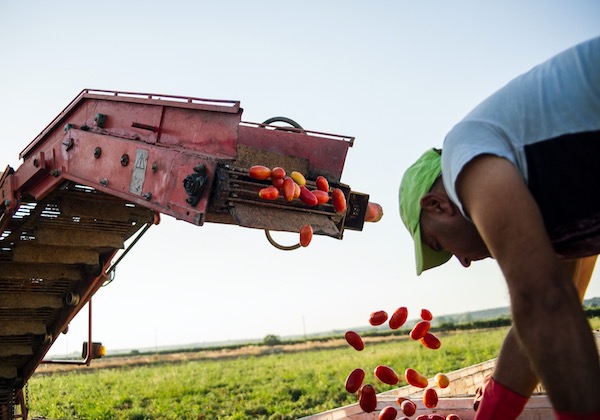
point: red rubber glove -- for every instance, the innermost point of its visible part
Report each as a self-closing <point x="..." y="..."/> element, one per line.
<point x="499" y="403"/>
<point x="575" y="416"/>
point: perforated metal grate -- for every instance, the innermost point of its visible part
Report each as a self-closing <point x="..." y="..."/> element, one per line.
<point x="50" y="249"/>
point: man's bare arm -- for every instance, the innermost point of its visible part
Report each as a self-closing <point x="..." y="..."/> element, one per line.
<point x="549" y="323"/>
<point x="513" y="368"/>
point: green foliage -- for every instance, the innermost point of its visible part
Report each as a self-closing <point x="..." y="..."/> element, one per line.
<point x="272" y="340"/>
<point x="273" y="386"/>
<point x="592" y="311"/>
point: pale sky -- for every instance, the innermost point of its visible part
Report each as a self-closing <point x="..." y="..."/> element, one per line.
<point x="396" y="75"/>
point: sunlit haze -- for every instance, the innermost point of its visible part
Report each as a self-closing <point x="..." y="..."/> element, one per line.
<point x="396" y="75"/>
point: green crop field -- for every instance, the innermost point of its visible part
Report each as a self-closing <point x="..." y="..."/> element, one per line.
<point x="280" y="385"/>
<point x="285" y="385"/>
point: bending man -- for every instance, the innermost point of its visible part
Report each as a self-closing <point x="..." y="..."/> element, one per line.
<point x="519" y="181"/>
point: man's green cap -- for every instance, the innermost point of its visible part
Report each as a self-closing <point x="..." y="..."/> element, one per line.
<point x="416" y="182"/>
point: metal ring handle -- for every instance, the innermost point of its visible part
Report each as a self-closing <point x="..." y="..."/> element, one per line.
<point x="284" y="120"/>
<point x="267" y="232"/>
<point x="279" y="246"/>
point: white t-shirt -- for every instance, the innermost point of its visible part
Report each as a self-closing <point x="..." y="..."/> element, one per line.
<point x="547" y="123"/>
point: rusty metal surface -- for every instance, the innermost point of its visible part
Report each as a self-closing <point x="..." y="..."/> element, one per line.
<point x="326" y="153"/>
<point x="249" y="215"/>
<point x="236" y="195"/>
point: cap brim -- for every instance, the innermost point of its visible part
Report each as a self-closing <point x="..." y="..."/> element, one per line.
<point x="426" y="257"/>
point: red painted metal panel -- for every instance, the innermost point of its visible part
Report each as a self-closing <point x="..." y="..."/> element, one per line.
<point x="155" y="182"/>
<point x="84" y="116"/>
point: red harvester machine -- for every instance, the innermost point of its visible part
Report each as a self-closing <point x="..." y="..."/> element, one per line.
<point x="102" y="172"/>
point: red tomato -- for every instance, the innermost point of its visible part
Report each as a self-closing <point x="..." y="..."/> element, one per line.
<point x="398" y="318"/>
<point x="388" y="413"/>
<point x="386" y="375"/>
<point x="426" y="315"/>
<point x="277" y="182"/>
<point x="367" y="398"/>
<point x="354" y="380"/>
<point x="431" y="341"/>
<point x="378" y="317"/>
<point x="420" y="329"/>
<point x="430" y="398"/>
<point x="355" y="340"/>
<point x="277" y="173"/>
<point x="408" y="407"/>
<point x="307" y="197"/>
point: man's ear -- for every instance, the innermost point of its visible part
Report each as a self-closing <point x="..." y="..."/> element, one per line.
<point x="437" y="204"/>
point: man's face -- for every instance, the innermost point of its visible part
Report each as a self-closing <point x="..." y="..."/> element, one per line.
<point x="454" y="234"/>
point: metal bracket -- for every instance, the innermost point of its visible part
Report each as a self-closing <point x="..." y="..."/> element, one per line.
<point x="193" y="184"/>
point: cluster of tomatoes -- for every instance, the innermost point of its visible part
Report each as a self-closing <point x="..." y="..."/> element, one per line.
<point x="367" y="396"/>
<point x="294" y="187"/>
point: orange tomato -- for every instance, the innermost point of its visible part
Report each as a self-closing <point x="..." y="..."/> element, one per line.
<point x="268" y="193"/>
<point x="414" y="378"/>
<point x="374" y="212"/>
<point x="322" y="183"/>
<point x="306" y="234"/>
<point x="298" y="178"/>
<point x="339" y="200"/>
<point x="288" y="189"/>
<point x="441" y="380"/>
<point x="259" y="172"/>
<point x="322" y="196"/>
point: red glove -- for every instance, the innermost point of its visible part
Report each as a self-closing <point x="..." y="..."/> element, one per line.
<point x="575" y="416"/>
<point x="499" y="403"/>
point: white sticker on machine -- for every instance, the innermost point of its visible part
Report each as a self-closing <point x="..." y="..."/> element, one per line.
<point x="139" y="171"/>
